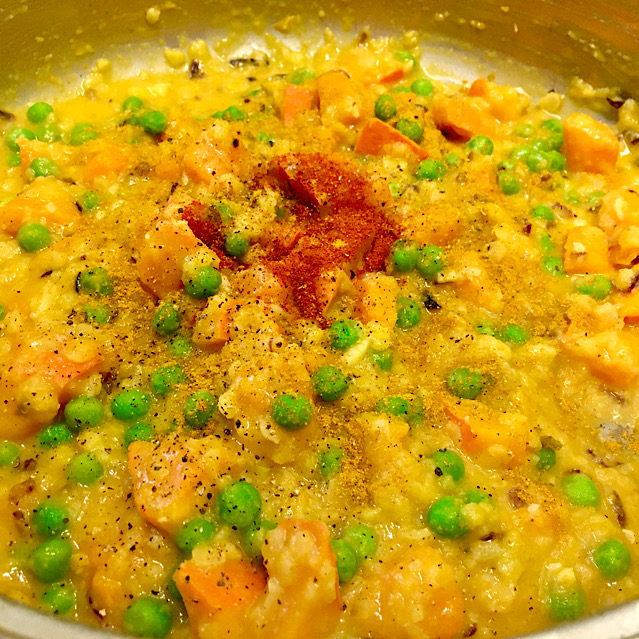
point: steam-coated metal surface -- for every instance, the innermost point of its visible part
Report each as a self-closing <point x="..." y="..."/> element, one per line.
<point x="597" y="40"/>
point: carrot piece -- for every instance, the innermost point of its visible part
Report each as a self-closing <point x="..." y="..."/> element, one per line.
<point x="463" y="117"/>
<point x="437" y="224"/>
<point x="31" y="149"/>
<point x="503" y="436"/>
<point x="589" y="145"/>
<point x="612" y="355"/>
<point x="379" y="138"/>
<point x="45" y="199"/>
<point x="377" y="299"/>
<point x="374" y="68"/>
<point x="168" y="169"/>
<point x="505" y="103"/>
<point x="619" y="218"/>
<point x="162" y="256"/>
<point x="166" y="478"/>
<point x="419" y="579"/>
<point x="628" y="307"/>
<point x="339" y="99"/>
<point x="586" y="250"/>
<point x="52" y="373"/>
<point x="212" y="326"/>
<point x="210" y="158"/>
<point x="296" y="100"/>
<point x="109" y="161"/>
<point x="208" y="591"/>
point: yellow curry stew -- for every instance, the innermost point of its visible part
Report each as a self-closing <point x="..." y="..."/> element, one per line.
<point x="318" y="346"/>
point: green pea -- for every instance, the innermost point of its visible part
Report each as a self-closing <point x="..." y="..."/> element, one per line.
<point x="476" y="496"/>
<point x="166" y="320"/>
<point x="50" y="519"/>
<point x="164" y="379"/>
<point x="344" y="333"/>
<point x="99" y="315"/>
<point x="422" y="86"/>
<point x="268" y="138"/>
<point x="180" y="346"/>
<point x="171" y="586"/>
<point x="385" y="107"/>
<point x="54" y="435"/>
<point x="547" y="245"/>
<point x="89" y="200"/>
<point x="405" y="254"/>
<point x="236" y="245"/>
<point x="580" y="490"/>
<point x="14" y="160"/>
<point x="446" y="519"/>
<point x="204" y="283"/>
<point x="345" y="559"/>
<point x="148" y="617"/>
<point x="48" y="133"/>
<point x="612" y="558"/>
<point x="537" y="161"/>
<point x="448" y="462"/>
<point x="2" y="312"/>
<point x="412" y="129"/>
<point x="430" y="169"/>
<point x="480" y="143"/>
<point x="83" y="412"/>
<point x="84" y="469"/>
<point x="132" y="104"/>
<point x="556" y="141"/>
<point x="94" y="281"/>
<point x="506" y="165"/>
<point x="597" y="286"/>
<point x="554" y="126"/>
<point x="301" y="76"/>
<point x="520" y="153"/>
<point x="524" y="130"/>
<point x="193" y="532"/>
<point x="396" y="406"/>
<point x="406" y="56"/>
<point x="508" y="184"/>
<point x="235" y="114"/>
<point x="513" y="334"/>
<point x="59" y="598"/>
<point x="154" y="123"/>
<point x="50" y="560"/>
<point x="239" y="504"/>
<point x="553" y="266"/>
<point x="543" y="212"/>
<point x="466" y="383"/>
<point x="130" y="405"/>
<point x="292" y="412"/>
<point x="330" y="383"/>
<point x="39" y="111"/>
<point x="486" y="328"/>
<point x="12" y="137"/>
<point x="9" y="452"/>
<point x="362" y="539"/>
<point x="141" y="432"/>
<point x="546" y="459"/>
<point x="383" y="359"/>
<point x="567" y="604"/>
<point x="400" y="89"/>
<point x="540" y="145"/>
<point x="451" y="159"/>
<point x="431" y="261"/>
<point x="557" y="161"/>
<point x="33" y="237"/>
<point x="199" y="409"/>
<point x="82" y="133"/>
<point x="408" y="313"/>
<point x="254" y="536"/>
<point x="572" y="197"/>
<point x="329" y="462"/>
<point x="224" y="211"/>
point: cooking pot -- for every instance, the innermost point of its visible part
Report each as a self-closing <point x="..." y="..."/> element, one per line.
<point x="592" y="39"/>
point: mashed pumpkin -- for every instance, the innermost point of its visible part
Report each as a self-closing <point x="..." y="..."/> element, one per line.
<point x="317" y="347"/>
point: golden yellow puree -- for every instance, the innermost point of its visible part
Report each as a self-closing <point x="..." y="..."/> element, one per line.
<point x="176" y="277"/>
